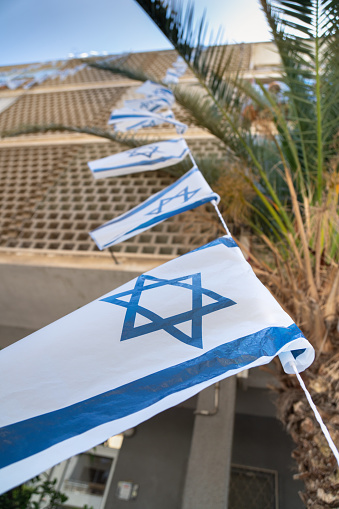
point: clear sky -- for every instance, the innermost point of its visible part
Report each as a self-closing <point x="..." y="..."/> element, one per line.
<point x="41" y="30"/>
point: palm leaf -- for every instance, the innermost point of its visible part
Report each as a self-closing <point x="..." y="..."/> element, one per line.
<point x="127" y="140"/>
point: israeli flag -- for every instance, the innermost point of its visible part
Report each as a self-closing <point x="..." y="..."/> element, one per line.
<point x="172" y="77"/>
<point x="138" y="350"/>
<point x="29" y="84"/>
<point x="180" y="66"/>
<point x="151" y="103"/>
<point x="151" y="89"/>
<point x="16" y="83"/>
<point x="78" y="68"/>
<point x="64" y="74"/>
<point x="127" y="119"/>
<point x="190" y="191"/>
<point x="148" y="157"/>
<point x="175" y="72"/>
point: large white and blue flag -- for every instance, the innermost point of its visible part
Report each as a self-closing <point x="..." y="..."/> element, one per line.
<point x="154" y="156"/>
<point x="138" y="350"/>
<point x="128" y="119"/>
<point x="188" y="192"/>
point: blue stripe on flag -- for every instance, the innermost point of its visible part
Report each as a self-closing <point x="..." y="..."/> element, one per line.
<point x="29" y="437"/>
<point x="143" y="115"/>
<point x="227" y="241"/>
<point x="143" y="163"/>
<point x="136" y="115"/>
<point x="141" y="123"/>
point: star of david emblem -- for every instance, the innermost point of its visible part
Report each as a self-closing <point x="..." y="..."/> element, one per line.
<point x="143" y="151"/>
<point x="146" y="283"/>
<point x="150" y="105"/>
<point x="145" y="104"/>
<point x="185" y="194"/>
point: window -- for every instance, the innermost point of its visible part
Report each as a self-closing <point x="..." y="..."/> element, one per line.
<point x="253" y="488"/>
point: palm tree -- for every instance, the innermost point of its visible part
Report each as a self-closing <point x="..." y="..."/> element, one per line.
<point x="287" y="147"/>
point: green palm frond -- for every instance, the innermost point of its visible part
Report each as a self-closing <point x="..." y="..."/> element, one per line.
<point x="306" y="37"/>
<point x="311" y="70"/>
<point x="122" y="69"/>
<point x="124" y="139"/>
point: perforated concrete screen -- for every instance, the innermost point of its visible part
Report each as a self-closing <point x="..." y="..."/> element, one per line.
<point x="48" y="197"/>
<point x="26" y="174"/>
<point x="90" y="107"/>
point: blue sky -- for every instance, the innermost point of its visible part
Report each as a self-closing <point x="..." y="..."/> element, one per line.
<point x="41" y="30"/>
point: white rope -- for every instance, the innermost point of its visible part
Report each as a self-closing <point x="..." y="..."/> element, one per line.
<point x="192" y="159"/>
<point x="214" y="203"/>
<point x="317" y="415"/>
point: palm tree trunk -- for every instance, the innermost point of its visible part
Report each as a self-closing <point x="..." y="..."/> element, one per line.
<point x="317" y="467"/>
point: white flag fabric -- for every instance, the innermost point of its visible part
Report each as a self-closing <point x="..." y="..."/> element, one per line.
<point x="148" y="157"/>
<point x="176" y="71"/>
<point x="29" y="84"/>
<point x="14" y="84"/>
<point x="188" y="192"/>
<point x="151" y="103"/>
<point x="180" y="66"/>
<point x="138" y="350"/>
<point x="171" y="77"/>
<point x="128" y="119"/>
<point x="151" y="89"/>
<point x="63" y="74"/>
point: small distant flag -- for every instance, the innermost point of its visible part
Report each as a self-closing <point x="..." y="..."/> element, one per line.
<point x="138" y="350"/>
<point x="127" y="119"/>
<point x="188" y="192"/>
<point x="16" y="83"/>
<point x="64" y="74"/>
<point x="152" y="103"/>
<point x="180" y="66"/>
<point x="171" y="77"/>
<point x="70" y="72"/>
<point x="151" y="89"/>
<point x="148" y="157"/>
<point x="176" y="71"/>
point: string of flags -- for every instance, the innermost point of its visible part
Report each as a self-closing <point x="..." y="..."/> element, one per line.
<point x="31" y="75"/>
<point x="146" y="112"/>
<point x="159" y="339"/>
<point x="188" y="192"/>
